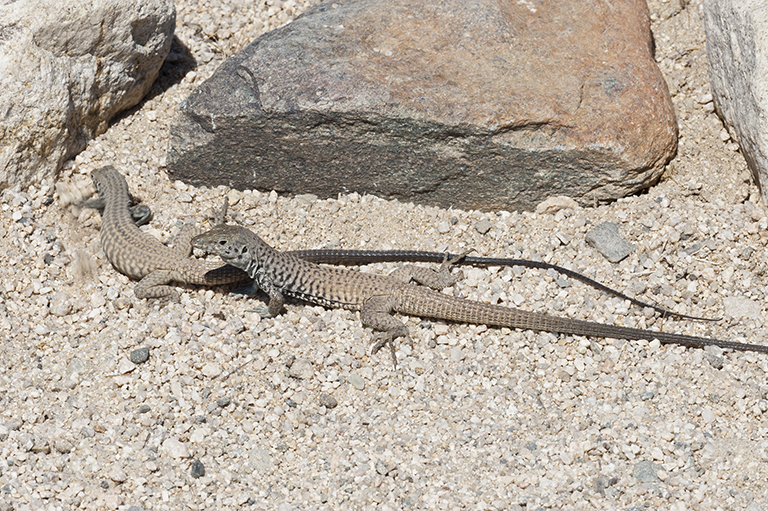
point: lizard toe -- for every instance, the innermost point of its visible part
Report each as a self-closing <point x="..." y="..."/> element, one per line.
<point x="262" y="311"/>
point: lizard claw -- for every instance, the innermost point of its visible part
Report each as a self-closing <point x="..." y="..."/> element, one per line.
<point x="455" y="259"/>
<point x="262" y="311"/>
<point x="387" y="338"/>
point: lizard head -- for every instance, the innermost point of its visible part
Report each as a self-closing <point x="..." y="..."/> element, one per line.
<point x="230" y="242"/>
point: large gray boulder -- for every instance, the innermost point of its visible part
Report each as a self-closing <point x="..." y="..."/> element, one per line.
<point x="66" y="68"/>
<point x="465" y="103"/>
<point x="737" y="55"/>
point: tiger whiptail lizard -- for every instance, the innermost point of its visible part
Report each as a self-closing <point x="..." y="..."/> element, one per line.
<point x="377" y="296"/>
<point x="141" y="256"/>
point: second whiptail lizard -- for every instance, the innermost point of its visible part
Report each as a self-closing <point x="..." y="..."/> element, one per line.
<point x="378" y="296"/>
<point x="141" y="256"/>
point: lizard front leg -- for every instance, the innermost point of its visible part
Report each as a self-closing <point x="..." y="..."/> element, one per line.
<point x="377" y="314"/>
<point x="276" y="299"/>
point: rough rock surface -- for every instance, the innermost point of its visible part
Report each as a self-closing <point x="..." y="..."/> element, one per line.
<point x="66" y="68"/>
<point x="479" y="104"/>
<point x="737" y="54"/>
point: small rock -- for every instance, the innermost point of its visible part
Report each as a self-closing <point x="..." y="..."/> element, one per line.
<point x="211" y="370"/>
<point x="483" y="226"/>
<point x="139" y="355"/>
<point x="306" y="199"/>
<point x="301" y="369"/>
<point x="646" y="472"/>
<point x="175" y="448"/>
<point x="61" y="304"/>
<point x="235" y="325"/>
<point x="605" y="238"/>
<point x="715" y="361"/>
<point x="554" y="204"/>
<point x="198" y="469"/>
<point x="328" y="401"/>
<point x="381" y="468"/>
<point x="234" y="196"/>
<point x="118" y="475"/>
<point x="223" y="402"/>
<point x="184" y="197"/>
<point x="125" y="366"/>
<point x="111" y="501"/>
<point x="443" y="227"/>
<point x="62" y="445"/>
<point x="41" y="445"/>
<point x="26" y="441"/>
<point x="357" y="381"/>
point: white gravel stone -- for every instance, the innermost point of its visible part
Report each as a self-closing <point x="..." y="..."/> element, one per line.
<point x="175" y="448"/>
<point x="211" y="370"/>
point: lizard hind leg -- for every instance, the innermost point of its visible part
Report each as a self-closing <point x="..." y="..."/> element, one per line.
<point x="377" y="314"/>
<point x="435" y="279"/>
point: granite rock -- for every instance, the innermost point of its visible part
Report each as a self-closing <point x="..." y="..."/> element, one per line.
<point x="469" y="104"/>
<point x="66" y="68"/>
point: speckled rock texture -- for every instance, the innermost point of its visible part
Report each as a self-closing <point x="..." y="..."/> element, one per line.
<point x="737" y="53"/>
<point x="66" y="68"/>
<point x="471" y="104"/>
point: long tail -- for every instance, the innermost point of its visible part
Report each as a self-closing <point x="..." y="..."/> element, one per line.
<point x="419" y="301"/>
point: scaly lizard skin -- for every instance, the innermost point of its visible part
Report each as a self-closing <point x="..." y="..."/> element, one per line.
<point x="377" y="296"/>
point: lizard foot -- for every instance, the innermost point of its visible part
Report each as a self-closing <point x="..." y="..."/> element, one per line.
<point x="262" y="311"/>
<point x="162" y="301"/>
<point x="382" y="339"/>
<point x="445" y="268"/>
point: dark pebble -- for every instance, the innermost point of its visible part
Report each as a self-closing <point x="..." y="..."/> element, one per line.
<point x="140" y="355"/>
<point x="198" y="469"/>
<point x="223" y="401"/>
<point x="328" y="401"/>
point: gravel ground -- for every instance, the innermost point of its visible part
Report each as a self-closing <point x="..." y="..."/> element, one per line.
<point x="230" y="411"/>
